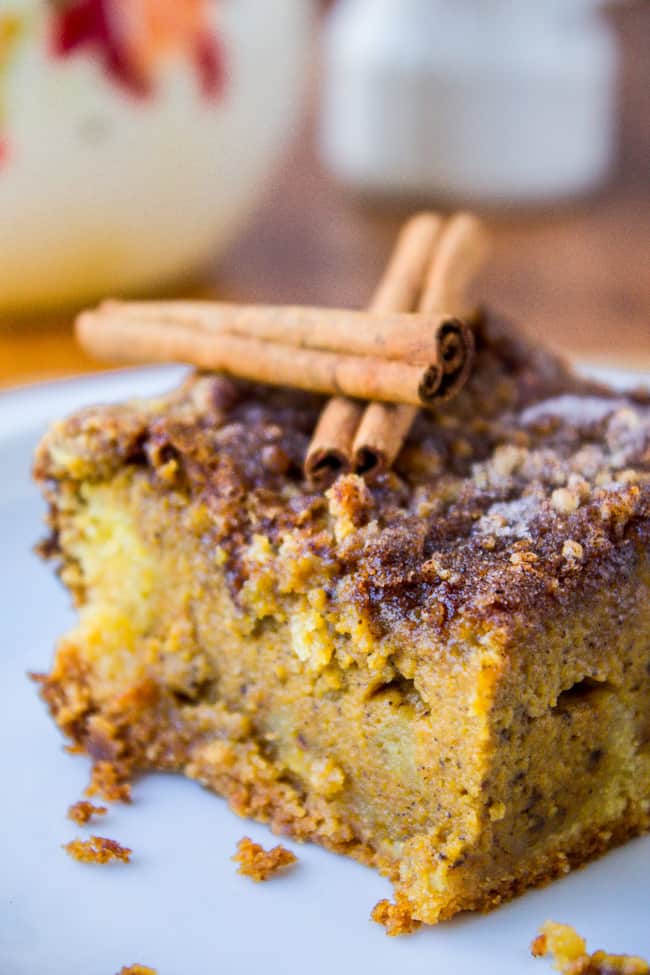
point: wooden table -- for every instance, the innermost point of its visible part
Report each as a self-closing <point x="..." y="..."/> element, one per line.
<point x="578" y="275"/>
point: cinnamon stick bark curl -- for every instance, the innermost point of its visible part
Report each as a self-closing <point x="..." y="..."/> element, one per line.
<point x="331" y="449"/>
<point x="459" y="251"/>
<point x="111" y="334"/>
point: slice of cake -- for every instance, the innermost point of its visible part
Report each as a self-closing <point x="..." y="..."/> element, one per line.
<point x="444" y="673"/>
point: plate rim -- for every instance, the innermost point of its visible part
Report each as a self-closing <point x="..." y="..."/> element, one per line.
<point x="438" y="946"/>
<point x="31" y="404"/>
<point x="35" y="401"/>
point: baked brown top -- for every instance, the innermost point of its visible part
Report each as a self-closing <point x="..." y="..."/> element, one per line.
<point x="531" y="483"/>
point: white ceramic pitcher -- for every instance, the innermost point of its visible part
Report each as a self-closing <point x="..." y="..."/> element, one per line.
<point x="494" y="101"/>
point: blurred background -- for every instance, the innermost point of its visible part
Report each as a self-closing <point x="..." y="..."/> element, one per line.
<point x="268" y="150"/>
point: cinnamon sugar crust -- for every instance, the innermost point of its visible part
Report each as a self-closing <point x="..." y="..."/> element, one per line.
<point x="443" y="672"/>
<point x="474" y="517"/>
<point x="260" y="864"/>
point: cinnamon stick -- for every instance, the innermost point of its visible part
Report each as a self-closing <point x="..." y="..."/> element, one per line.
<point x="330" y="450"/>
<point x="459" y="251"/>
<point x="379" y="436"/>
<point x="111" y="333"/>
<point x="389" y="335"/>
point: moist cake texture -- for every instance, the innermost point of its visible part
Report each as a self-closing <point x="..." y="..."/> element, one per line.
<point x="444" y="673"/>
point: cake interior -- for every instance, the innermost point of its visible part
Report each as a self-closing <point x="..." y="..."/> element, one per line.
<point x="464" y="768"/>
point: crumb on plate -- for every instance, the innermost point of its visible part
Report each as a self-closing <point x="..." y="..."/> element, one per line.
<point x="82" y="812"/>
<point x="395" y="917"/>
<point x="98" y="849"/>
<point x="569" y="951"/>
<point x="260" y="864"/>
<point x="109" y="782"/>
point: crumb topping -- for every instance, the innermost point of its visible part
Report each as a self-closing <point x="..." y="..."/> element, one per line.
<point x="569" y="952"/>
<point x="396" y="918"/>
<point x="110" y="782"/>
<point x="260" y="864"/>
<point x="82" y="812"/>
<point x="98" y="849"/>
<point x="531" y="485"/>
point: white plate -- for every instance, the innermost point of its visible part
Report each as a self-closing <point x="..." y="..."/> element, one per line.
<point x="180" y="906"/>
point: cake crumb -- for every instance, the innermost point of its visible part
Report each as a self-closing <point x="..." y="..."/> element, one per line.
<point x="396" y="918"/>
<point x="82" y="812"/>
<point x="569" y="952"/>
<point x="107" y="781"/>
<point x="573" y="551"/>
<point x="565" y="501"/>
<point x="137" y="970"/>
<point x="260" y="864"/>
<point x="98" y="849"/>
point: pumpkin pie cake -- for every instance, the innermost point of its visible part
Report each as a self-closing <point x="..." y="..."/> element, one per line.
<point x="443" y="672"/>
